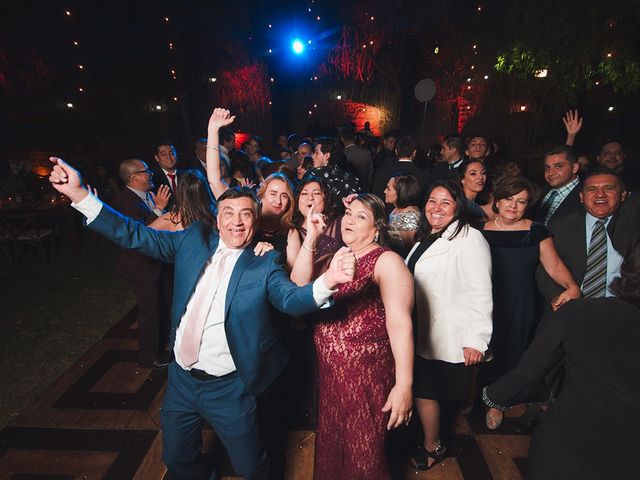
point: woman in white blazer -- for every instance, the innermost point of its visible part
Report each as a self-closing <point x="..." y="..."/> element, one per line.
<point x="451" y="264"/>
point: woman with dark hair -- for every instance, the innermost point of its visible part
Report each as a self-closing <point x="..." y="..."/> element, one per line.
<point x="193" y="202"/>
<point x="473" y="178"/>
<point x="451" y="264"/>
<point x="404" y="193"/>
<point x="253" y="147"/>
<point x="591" y="429"/>
<point x="314" y="197"/>
<point x="364" y="347"/>
<point x="517" y="246"/>
<point x="305" y="164"/>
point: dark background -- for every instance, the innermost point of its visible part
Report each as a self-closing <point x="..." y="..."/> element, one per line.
<point x="590" y="49"/>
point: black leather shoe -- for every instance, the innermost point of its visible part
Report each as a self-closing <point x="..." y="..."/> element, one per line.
<point x="527" y="422"/>
<point x="158" y="362"/>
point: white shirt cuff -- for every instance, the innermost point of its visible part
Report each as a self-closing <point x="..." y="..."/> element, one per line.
<point x="321" y="294"/>
<point x="90" y="206"/>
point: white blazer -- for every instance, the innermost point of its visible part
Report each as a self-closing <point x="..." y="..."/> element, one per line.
<point x="454" y="302"/>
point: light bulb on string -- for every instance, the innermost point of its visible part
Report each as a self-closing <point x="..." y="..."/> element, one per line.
<point x="67" y="13"/>
<point x="75" y="43"/>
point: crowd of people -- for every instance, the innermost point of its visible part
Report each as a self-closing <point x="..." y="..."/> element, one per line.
<point x="422" y="276"/>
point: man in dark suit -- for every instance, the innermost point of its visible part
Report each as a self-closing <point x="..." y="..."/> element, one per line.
<point x="594" y="264"/>
<point x="406" y="149"/>
<point x="562" y="195"/>
<point x="227" y="348"/>
<point x="358" y="159"/>
<point x="143" y="273"/>
<point x="165" y="172"/>
<point x="387" y="153"/>
<point x="452" y="153"/>
<point x="612" y="156"/>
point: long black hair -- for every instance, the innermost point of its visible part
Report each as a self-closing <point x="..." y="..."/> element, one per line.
<point x="424" y="232"/>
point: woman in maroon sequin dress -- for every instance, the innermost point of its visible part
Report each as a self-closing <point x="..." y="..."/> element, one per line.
<point x="365" y="351"/>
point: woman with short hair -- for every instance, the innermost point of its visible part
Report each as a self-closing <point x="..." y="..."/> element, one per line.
<point x="518" y="245"/>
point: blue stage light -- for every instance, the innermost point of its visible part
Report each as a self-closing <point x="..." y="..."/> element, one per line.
<point x="297" y="46"/>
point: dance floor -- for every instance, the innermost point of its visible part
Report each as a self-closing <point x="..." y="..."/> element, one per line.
<point x="100" y="420"/>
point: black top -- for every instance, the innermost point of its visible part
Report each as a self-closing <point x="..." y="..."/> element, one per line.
<point x="417" y="253"/>
<point x="590" y="431"/>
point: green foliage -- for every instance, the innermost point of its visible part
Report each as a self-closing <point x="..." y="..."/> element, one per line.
<point x="581" y="42"/>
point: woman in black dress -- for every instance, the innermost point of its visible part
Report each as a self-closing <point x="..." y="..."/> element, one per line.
<point x="517" y="245"/>
<point x="590" y="431"/>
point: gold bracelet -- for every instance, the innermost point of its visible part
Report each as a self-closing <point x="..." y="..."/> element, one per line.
<point x="213" y="148"/>
<point x="308" y="249"/>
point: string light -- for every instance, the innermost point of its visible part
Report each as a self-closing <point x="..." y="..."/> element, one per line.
<point x="338" y="97"/>
<point x="315" y="105"/>
<point x="69" y="105"/>
<point x="315" y="77"/>
<point x="436" y="50"/>
<point x="310" y="112"/>
<point x="80" y="89"/>
<point x="269" y="25"/>
<point x="270" y="103"/>
<point x="473" y="67"/>
<point x="610" y="109"/>
<point x="175" y="99"/>
<point x="371" y="42"/>
<point x="166" y="19"/>
<point x="597" y="83"/>
<point x="523" y="108"/>
<point x="542" y="73"/>
<point x="270" y="50"/>
<point x="486" y="77"/>
<point x="170" y="46"/>
<point x="372" y="18"/>
<point x="609" y="55"/>
<point x="318" y="18"/>
<point x="468" y="87"/>
<point x="75" y="43"/>
<point x="475" y="46"/>
<point x="213" y="79"/>
<point x="479" y="8"/>
<point x="158" y="107"/>
<point x="272" y="80"/>
<point x="68" y="14"/>
<point x="81" y="67"/>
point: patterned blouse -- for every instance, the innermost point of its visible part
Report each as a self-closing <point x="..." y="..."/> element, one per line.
<point x="402" y="222"/>
<point x="341" y="183"/>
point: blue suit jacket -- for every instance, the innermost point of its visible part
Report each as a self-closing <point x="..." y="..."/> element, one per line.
<point x="256" y="284"/>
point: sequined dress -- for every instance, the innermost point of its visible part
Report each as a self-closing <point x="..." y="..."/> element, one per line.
<point x="356" y="373"/>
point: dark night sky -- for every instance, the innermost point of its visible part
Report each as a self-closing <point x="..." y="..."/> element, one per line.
<point x="124" y="49"/>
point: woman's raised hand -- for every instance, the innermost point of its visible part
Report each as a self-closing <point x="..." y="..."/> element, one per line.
<point x="220" y="118"/>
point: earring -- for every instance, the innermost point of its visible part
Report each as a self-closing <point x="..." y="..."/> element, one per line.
<point x="377" y="237"/>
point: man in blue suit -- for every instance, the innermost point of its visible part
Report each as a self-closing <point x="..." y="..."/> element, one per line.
<point x="227" y="350"/>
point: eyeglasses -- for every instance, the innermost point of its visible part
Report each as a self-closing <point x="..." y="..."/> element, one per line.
<point x="147" y="171"/>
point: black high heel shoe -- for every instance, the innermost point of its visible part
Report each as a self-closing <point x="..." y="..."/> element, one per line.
<point x="420" y="460"/>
